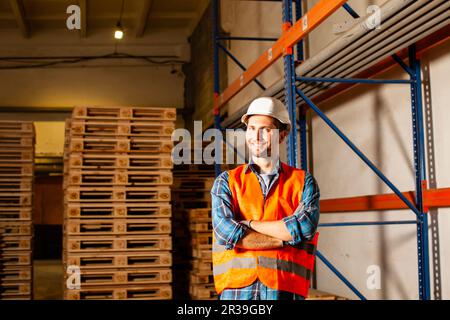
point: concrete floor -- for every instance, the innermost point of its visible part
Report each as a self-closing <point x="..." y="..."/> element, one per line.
<point x="48" y="280"/>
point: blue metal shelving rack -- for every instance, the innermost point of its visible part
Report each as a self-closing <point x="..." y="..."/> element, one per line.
<point x="291" y="92"/>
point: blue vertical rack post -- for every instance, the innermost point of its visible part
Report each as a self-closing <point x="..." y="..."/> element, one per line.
<point x="291" y="81"/>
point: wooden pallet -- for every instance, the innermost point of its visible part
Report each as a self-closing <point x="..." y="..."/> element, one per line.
<point x="117" y="278"/>
<point x="99" y="260"/>
<point x="15" y="228"/>
<point x="16" y="155"/>
<point x="14" y="168"/>
<point x="202" y="252"/>
<point x="107" y="210"/>
<point x="116" y="227"/>
<point x="16" y="274"/>
<point x="16" y="127"/>
<point x="15" y="185"/>
<point x="197" y="213"/>
<point x="314" y="294"/>
<point x="10" y="243"/>
<point x="204" y="225"/>
<point x="192" y="183"/>
<point x="133" y="145"/>
<point x="113" y="243"/>
<point x="201" y="278"/>
<point x="117" y="194"/>
<point x="15" y="289"/>
<point x="114" y="113"/>
<point x="204" y="238"/>
<point x="147" y="292"/>
<point x="126" y="128"/>
<point x="190" y="204"/>
<point x="129" y="162"/>
<point x="191" y="196"/>
<point x="15" y="141"/>
<point x="15" y="213"/>
<point x="202" y="292"/>
<point x="201" y="265"/>
<point x="87" y="178"/>
<point x="12" y="199"/>
<point x="15" y="259"/>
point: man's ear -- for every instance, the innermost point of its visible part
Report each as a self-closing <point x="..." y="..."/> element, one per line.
<point x="283" y="135"/>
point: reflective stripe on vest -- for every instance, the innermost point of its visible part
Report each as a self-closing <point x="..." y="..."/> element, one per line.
<point x="288" y="268"/>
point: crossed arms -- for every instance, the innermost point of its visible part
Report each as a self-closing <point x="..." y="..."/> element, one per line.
<point x="301" y="225"/>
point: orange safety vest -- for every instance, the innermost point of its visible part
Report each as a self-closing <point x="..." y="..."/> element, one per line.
<point x="286" y="269"/>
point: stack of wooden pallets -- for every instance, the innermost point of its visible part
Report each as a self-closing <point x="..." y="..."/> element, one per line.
<point x="117" y="203"/>
<point x="201" y="282"/>
<point x="191" y="192"/>
<point x="16" y="203"/>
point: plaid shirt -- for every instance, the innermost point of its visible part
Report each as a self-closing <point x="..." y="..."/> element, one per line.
<point x="302" y="225"/>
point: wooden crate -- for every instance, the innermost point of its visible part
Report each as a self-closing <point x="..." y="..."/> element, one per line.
<point x="117" y="227"/>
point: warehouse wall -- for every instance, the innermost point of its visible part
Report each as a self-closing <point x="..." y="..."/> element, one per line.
<point x="378" y="120"/>
<point x="97" y="82"/>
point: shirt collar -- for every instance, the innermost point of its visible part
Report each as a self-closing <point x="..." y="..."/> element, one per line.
<point x="278" y="167"/>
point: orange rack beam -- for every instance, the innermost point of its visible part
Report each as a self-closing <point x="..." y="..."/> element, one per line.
<point x="433" y="198"/>
<point x="322" y="10"/>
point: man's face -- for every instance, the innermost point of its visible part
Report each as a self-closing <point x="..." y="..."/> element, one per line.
<point x="261" y="135"/>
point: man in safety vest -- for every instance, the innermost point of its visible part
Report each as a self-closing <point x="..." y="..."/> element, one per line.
<point x="265" y="215"/>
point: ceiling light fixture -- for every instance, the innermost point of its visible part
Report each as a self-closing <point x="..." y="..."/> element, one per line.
<point x="118" y="32"/>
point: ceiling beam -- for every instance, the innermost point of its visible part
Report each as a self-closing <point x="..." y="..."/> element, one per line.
<point x="201" y="7"/>
<point x="143" y="17"/>
<point x="19" y="14"/>
<point x="83" y="10"/>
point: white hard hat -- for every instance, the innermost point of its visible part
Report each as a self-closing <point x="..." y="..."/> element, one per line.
<point x="268" y="106"/>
